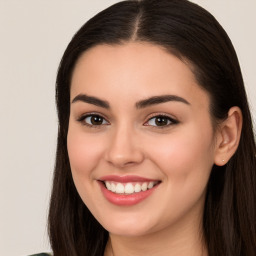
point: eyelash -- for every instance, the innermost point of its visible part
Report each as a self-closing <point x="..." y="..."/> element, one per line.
<point x="82" y="118"/>
<point x="170" y="120"/>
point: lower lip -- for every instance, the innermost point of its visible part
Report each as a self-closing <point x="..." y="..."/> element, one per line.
<point x="126" y="200"/>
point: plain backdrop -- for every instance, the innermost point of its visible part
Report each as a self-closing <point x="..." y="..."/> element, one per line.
<point x="33" y="37"/>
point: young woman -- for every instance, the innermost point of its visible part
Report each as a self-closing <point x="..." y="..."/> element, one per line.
<point x="156" y="151"/>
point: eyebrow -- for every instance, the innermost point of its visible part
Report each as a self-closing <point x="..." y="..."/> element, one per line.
<point x="140" y="104"/>
<point x="160" y="99"/>
<point x="91" y="100"/>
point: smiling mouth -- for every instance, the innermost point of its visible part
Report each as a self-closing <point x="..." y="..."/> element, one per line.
<point x="129" y="187"/>
<point x="127" y="190"/>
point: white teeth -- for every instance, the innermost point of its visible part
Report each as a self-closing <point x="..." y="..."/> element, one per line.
<point x="108" y="185"/>
<point x="137" y="188"/>
<point x="113" y="187"/>
<point x="150" y="185"/>
<point x="119" y="188"/>
<point x="129" y="188"/>
<point x="144" y="186"/>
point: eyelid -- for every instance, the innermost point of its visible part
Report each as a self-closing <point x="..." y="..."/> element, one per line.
<point x="154" y="115"/>
<point x="82" y="117"/>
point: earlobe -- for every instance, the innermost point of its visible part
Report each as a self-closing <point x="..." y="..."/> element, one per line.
<point x="228" y="136"/>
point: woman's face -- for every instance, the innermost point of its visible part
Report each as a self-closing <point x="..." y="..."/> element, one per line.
<point x="139" y="119"/>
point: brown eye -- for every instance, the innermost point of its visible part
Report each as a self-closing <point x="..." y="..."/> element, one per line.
<point x="161" y="121"/>
<point x="94" y="120"/>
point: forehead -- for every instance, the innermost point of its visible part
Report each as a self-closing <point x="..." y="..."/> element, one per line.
<point x="134" y="69"/>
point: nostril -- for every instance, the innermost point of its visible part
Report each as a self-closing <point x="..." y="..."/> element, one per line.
<point x="124" y="158"/>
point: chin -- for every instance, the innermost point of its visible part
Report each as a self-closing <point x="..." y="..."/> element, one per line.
<point x="128" y="227"/>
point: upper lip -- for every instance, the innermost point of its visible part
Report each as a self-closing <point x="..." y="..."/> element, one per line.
<point x="125" y="178"/>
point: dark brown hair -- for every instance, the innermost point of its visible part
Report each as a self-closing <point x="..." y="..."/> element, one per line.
<point x="192" y="34"/>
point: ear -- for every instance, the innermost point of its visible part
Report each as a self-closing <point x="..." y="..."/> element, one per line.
<point x="228" y="136"/>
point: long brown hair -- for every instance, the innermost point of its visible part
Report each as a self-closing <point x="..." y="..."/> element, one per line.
<point x="191" y="33"/>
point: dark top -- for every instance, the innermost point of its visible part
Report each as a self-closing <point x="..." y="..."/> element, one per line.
<point x="41" y="254"/>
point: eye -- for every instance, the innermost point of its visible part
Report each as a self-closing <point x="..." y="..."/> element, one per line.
<point x="161" y="121"/>
<point x="93" y="120"/>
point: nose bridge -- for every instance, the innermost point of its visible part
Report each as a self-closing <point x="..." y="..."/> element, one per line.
<point x="123" y="148"/>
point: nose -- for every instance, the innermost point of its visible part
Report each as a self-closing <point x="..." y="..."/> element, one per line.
<point x="124" y="148"/>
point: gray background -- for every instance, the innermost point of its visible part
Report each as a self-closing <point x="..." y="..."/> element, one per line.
<point x="34" y="34"/>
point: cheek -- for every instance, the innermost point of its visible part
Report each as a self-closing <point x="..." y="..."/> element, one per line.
<point x="186" y="153"/>
<point x="185" y="160"/>
<point x="84" y="151"/>
<point x="84" y="154"/>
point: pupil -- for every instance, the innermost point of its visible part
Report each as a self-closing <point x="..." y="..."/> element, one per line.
<point x="96" y="120"/>
<point x="160" y="121"/>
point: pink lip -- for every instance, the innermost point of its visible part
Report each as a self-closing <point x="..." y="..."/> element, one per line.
<point x="125" y="200"/>
<point x="125" y="179"/>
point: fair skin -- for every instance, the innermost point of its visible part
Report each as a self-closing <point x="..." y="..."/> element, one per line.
<point x="178" y="150"/>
